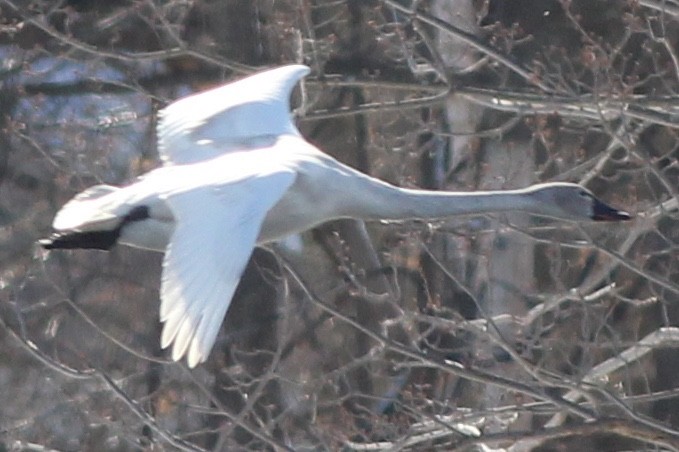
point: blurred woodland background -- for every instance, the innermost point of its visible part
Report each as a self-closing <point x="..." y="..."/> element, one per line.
<point x="479" y="333"/>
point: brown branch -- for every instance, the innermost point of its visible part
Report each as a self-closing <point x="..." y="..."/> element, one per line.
<point x="472" y="40"/>
<point x="159" y="55"/>
<point x="454" y="368"/>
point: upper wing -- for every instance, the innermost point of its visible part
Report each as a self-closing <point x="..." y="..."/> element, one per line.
<point x="216" y="230"/>
<point x="204" y="125"/>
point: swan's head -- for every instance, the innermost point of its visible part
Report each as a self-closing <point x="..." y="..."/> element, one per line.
<point x="574" y="202"/>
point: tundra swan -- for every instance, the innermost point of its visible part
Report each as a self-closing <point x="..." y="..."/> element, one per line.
<point x="237" y="173"/>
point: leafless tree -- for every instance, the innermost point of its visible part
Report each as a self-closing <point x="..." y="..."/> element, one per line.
<point x="497" y="332"/>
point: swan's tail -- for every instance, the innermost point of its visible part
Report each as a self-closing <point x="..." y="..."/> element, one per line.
<point x="90" y="220"/>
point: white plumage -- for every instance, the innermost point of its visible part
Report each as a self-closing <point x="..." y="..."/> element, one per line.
<point x="236" y="173"/>
<point x="229" y="118"/>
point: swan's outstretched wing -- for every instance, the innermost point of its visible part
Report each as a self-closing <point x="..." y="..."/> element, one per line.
<point x="215" y="233"/>
<point x="231" y="117"/>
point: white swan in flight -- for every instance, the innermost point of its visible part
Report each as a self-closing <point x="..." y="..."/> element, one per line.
<point x="237" y="173"/>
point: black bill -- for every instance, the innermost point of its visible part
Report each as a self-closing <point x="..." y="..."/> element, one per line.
<point x="604" y="212"/>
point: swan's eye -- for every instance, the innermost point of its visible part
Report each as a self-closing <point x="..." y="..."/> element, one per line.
<point x="583" y="193"/>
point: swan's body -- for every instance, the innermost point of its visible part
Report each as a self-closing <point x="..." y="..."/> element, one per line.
<point x="236" y="174"/>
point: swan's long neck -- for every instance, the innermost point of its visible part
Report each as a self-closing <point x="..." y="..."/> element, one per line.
<point x="386" y="202"/>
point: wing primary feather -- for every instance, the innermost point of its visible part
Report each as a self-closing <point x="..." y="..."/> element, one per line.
<point x="216" y="230"/>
